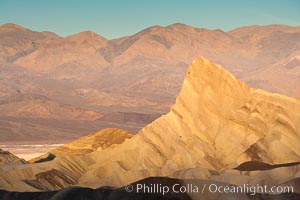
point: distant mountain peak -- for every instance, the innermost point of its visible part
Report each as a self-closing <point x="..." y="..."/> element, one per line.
<point x="88" y="33"/>
<point x="87" y="38"/>
<point x="85" y="35"/>
<point x="163" y="28"/>
<point x="12" y="27"/>
<point x="178" y="25"/>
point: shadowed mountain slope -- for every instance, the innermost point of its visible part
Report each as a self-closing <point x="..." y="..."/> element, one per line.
<point x="8" y="158"/>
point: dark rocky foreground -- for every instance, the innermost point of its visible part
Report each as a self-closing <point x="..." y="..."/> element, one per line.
<point x="103" y="193"/>
<point x="77" y="193"/>
<point x="108" y="193"/>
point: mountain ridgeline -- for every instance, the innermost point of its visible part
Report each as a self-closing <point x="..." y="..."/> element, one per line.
<point x="91" y="66"/>
<point x="129" y="81"/>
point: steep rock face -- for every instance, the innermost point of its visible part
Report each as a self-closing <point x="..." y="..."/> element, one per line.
<point x="216" y="124"/>
<point x="225" y="121"/>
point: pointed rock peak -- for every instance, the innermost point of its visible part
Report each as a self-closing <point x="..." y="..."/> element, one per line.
<point x="209" y="83"/>
<point x="226" y="119"/>
<point x="11" y="26"/>
<point x="202" y="68"/>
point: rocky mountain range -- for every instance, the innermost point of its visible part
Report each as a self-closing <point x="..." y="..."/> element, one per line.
<point x="90" y="76"/>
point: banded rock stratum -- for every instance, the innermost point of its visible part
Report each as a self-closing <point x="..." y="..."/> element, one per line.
<point x="216" y="124"/>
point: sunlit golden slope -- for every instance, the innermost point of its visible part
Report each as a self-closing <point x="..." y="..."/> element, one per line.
<point x="87" y="144"/>
<point x="216" y="124"/>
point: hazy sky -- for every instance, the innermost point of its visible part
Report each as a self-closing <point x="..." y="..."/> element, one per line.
<point x="115" y="18"/>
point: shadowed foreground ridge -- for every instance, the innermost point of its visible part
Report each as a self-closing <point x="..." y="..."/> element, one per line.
<point x="216" y="124"/>
<point x="108" y="193"/>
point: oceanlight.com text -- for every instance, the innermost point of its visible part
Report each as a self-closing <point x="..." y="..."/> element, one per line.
<point x="211" y="188"/>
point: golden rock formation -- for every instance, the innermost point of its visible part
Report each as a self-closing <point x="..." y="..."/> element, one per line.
<point x="99" y="140"/>
<point x="216" y="124"/>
